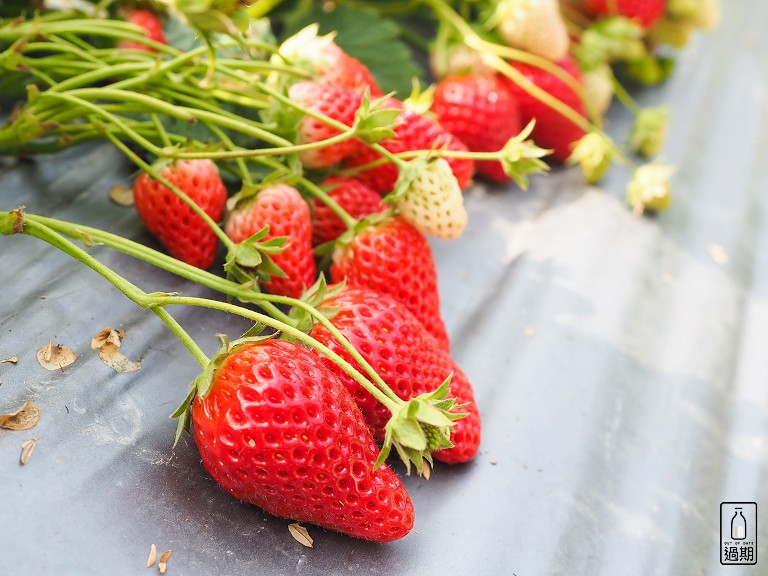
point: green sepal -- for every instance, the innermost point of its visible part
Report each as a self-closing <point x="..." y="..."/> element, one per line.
<point x="373" y="121"/>
<point x="610" y="40"/>
<point x="594" y="153"/>
<point x="521" y="158"/>
<point x="315" y="295"/>
<point x="405" y="178"/>
<point x="201" y="386"/>
<point x="649" y="131"/>
<point x="419" y="426"/>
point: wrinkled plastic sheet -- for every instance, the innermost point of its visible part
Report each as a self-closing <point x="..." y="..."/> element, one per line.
<point x="619" y="364"/>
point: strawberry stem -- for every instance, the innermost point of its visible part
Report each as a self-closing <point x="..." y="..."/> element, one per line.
<point x="16" y="222"/>
<point x="134" y="293"/>
<point x="205" y="278"/>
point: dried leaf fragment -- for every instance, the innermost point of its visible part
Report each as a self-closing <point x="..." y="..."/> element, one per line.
<point x="112" y="357"/>
<point x="152" y="556"/>
<point x="24" y="418"/>
<point x="27" y="447"/>
<point x="300" y="534"/>
<point x="163" y="564"/>
<point x="107" y="335"/>
<point x="10" y="360"/>
<point x="107" y="342"/>
<point x="55" y="356"/>
<point x="121" y="195"/>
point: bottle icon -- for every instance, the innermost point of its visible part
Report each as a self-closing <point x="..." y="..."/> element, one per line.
<point x="738" y="525"/>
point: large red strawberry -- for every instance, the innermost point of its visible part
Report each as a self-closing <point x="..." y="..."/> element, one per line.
<point x="326" y="61"/>
<point x="481" y="111"/>
<point x="340" y="104"/>
<point x="352" y="195"/>
<point x="413" y="131"/>
<point x="645" y="12"/>
<point x="283" y="209"/>
<point x="552" y="130"/>
<point x="184" y="234"/>
<point x="392" y="257"/>
<point x="396" y="345"/>
<point x="150" y="23"/>
<point x="277" y="429"/>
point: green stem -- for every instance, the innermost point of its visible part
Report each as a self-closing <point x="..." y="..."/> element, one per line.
<point x="9" y="224"/>
<point x="164" y="300"/>
<point x="134" y="293"/>
<point x="182" y="269"/>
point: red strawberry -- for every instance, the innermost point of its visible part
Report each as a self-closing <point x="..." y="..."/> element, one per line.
<point x="352" y="195"/>
<point x="278" y="430"/>
<point x="184" y="234"/>
<point x="397" y="346"/>
<point x="286" y="213"/>
<point x="645" y="12"/>
<point x="413" y="131"/>
<point x="394" y="258"/>
<point x="481" y="111"/>
<point x="337" y="103"/>
<point x="152" y="26"/>
<point x="553" y="130"/>
<point x="326" y="61"/>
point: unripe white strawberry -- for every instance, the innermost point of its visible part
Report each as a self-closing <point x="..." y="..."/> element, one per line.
<point x="533" y="25"/>
<point x="432" y="201"/>
<point x="598" y="88"/>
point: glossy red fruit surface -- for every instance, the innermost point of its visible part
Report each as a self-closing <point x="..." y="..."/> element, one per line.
<point x="280" y="431"/>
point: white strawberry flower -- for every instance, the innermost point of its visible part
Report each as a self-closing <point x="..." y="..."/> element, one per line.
<point x="432" y="201"/>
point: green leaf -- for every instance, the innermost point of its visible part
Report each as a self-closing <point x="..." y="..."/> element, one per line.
<point x="361" y="32"/>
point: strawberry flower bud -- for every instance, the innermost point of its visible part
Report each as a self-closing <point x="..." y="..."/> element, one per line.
<point x="594" y="154"/>
<point x="649" y="188"/>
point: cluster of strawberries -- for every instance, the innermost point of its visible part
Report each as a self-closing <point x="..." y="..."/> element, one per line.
<point x="278" y="424"/>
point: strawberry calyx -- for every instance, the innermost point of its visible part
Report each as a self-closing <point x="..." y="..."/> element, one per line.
<point x="610" y="40"/>
<point x="649" y="188"/>
<point x="201" y="386"/>
<point x="251" y="258"/>
<point x="649" y="131"/>
<point x="521" y="157"/>
<point x="314" y="296"/>
<point x="375" y="119"/>
<point x="420" y="426"/>
<point x="594" y="153"/>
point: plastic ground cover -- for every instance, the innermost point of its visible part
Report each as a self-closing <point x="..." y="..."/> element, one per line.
<point x="619" y="364"/>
